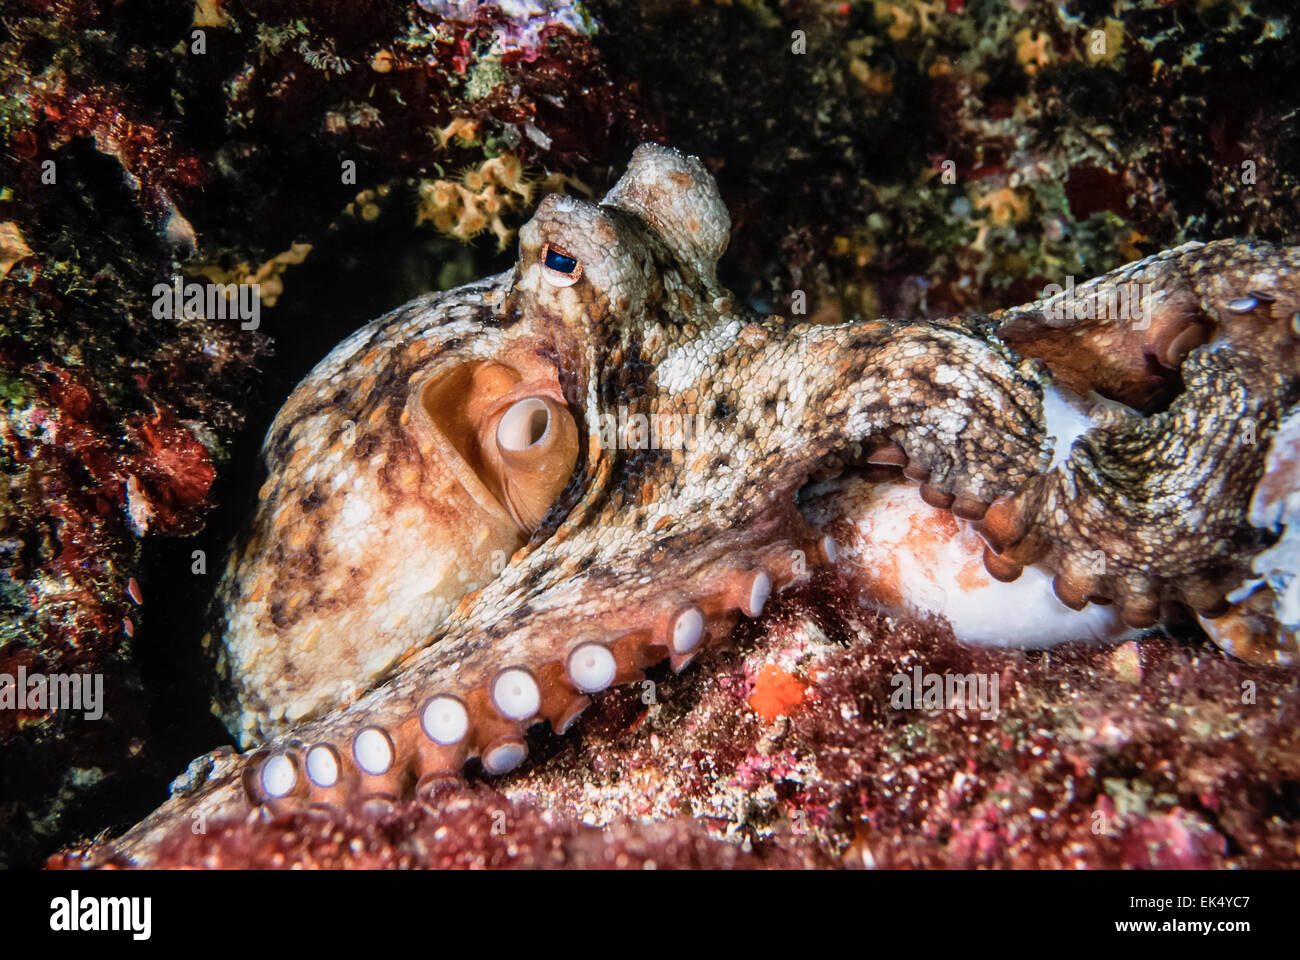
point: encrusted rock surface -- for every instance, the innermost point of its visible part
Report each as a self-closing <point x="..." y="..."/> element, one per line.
<point x="786" y="752"/>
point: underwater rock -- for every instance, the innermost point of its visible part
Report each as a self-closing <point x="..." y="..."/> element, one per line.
<point x="1080" y="767"/>
<point x="919" y="158"/>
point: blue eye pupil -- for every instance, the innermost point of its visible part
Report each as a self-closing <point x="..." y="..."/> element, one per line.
<point x="560" y="263"/>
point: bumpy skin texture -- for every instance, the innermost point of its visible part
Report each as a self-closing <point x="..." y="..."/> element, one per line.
<point x="365" y="539"/>
<point x="1155" y="508"/>
<point x="340" y="628"/>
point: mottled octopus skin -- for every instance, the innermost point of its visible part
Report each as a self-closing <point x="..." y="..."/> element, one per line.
<point x="327" y="594"/>
<point x="1155" y="508"/>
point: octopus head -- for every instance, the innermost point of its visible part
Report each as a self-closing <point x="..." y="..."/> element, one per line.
<point x="619" y="263"/>
<point x="407" y="471"/>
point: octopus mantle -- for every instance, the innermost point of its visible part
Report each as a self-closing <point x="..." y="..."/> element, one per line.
<point x="499" y="500"/>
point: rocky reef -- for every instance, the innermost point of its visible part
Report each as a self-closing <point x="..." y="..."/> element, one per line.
<point x="785" y="752"/>
<point x="913" y="158"/>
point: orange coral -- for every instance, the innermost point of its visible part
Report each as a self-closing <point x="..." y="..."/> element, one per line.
<point x="267" y="276"/>
<point x="1032" y="50"/>
<point x="909" y="13"/>
<point x="478" y="200"/>
<point x="776" y="693"/>
<point x="465" y="131"/>
<point x="1005" y="206"/>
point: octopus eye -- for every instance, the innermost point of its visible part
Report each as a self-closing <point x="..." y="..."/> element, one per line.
<point x="536" y="450"/>
<point x="559" y="269"/>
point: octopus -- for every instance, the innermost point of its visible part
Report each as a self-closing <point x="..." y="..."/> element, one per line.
<point x="498" y="501"/>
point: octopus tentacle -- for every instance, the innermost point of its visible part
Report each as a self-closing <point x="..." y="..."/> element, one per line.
<point x="563" y="622"/>
<point x="572" y="619"/>
<point x="1154" y="509"/>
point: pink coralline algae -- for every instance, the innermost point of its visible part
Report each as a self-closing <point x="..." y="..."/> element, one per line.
<point x="1084" y="766"/>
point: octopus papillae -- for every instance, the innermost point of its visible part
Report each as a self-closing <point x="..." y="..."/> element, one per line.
<point x="497" y="501"/>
